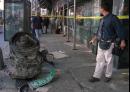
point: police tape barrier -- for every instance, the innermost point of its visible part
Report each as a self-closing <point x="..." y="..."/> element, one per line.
<point x="84" y="17"/>
<point x="98" y="17"/>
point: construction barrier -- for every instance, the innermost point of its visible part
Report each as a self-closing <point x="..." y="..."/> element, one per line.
<point x="84" y="17"/>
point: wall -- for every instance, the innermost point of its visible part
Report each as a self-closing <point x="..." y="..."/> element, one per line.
<point x="87" y="27"/>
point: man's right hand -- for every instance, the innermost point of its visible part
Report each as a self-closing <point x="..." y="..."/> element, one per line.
<point x="91" y="42"/>
<point x="123" y="44"/>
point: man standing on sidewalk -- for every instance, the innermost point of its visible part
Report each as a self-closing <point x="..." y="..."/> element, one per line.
<point x="37" y="25"/>
<point x="109" y="30"/>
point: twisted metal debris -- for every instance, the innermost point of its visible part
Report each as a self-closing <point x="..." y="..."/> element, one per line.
<point x="25" y="58"/>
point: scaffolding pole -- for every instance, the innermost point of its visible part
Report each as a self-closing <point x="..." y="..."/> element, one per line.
<point x="68" y="38"/>
<point x="74" y="32"/>
<point x="63" y="20"/>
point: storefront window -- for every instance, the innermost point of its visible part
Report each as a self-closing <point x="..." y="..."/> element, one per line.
<point x="13" y="19"/>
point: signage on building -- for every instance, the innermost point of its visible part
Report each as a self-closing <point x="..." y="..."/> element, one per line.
<point x="44" y="11"/>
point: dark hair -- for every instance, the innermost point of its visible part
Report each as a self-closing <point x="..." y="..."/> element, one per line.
<point x="105" y="6"/>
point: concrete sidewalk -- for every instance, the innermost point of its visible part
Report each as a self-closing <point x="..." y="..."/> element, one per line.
<point x="76" y="65"/>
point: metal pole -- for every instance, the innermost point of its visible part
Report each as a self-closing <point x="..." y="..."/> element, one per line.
<point x="63" y="20"/>
<point x="68" y="40"/>
<point x="74" y="38"/>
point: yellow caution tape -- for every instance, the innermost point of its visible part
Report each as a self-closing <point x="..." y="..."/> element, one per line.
<point x="123" y="17"/>
<point x="85" y="17"/>
<point x="92" y="17"/>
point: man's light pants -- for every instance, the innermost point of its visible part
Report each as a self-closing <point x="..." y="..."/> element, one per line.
<point x="38" y="33"/>
<point x="104" y="58"/>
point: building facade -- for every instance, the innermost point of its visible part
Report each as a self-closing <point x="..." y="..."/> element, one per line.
<point x="86" y="27"/>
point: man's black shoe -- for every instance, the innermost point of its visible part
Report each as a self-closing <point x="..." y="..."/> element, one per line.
<point x="107" y="79"/>
<point x="93" y="79"/>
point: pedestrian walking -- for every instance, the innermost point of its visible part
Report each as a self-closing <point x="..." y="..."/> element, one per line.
<point x="46" y="22"/>
<point x="109" y="30"/>
<point x="37" y="25"/>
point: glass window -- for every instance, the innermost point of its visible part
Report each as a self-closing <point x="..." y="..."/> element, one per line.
<point x="13" y="19"/>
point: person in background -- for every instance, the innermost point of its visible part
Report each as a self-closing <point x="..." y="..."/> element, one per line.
<point x="37" y="25"/>
<point x="58" y="26"/>
<point x="33" y="30"/>
<point x="46" y="22"/>
<point x="52" y="22"/>
<point x="109" y="30"/>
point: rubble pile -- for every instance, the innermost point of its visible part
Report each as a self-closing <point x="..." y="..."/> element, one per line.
<point x="25" y="58"/>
